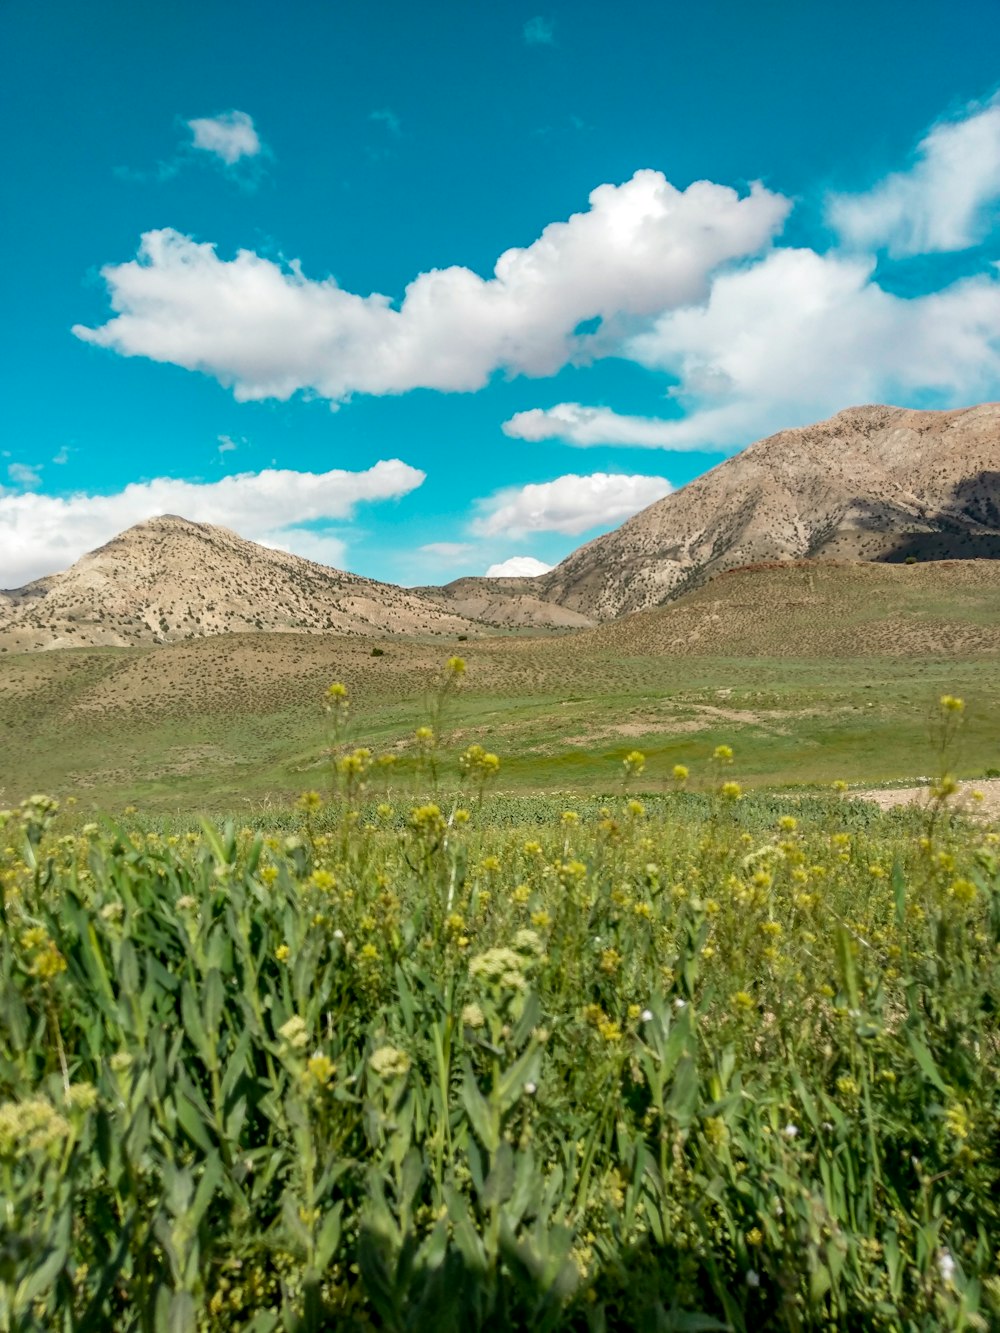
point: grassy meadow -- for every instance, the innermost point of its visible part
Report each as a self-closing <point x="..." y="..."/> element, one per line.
<point x="421" y="1052"/>
<point x="232" y="724"/>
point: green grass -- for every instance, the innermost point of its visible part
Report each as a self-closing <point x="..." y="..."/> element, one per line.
<point x="176" y="730"/>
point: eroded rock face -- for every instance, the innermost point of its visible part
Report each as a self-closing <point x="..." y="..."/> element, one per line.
<point x="872" y="483"/>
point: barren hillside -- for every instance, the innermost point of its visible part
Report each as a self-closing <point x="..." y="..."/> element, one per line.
<point x="169" y="579"/>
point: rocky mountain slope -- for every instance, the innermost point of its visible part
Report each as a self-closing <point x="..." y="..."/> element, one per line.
<point x="872" y="483"/>
<point x="168" y="579"/>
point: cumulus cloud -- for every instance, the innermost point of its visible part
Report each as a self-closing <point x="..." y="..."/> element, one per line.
<point x="942" y="203"/>
<point x="586" y="426"/>
<point x="43" y="533"/>
<point x="801" y="335"/>
<point x="569" y="504"/>
<point x="229" y="136"/>
<point x="539" y="31"/>
<point x="518" y="567"/>
<point x="268" y="331"/>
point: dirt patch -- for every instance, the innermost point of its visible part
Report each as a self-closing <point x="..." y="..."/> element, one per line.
<point x="965" y="799"/>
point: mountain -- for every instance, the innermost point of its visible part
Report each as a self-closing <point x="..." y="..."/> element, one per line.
<point x="168" y="579"/>
<point x="872" y="483"/>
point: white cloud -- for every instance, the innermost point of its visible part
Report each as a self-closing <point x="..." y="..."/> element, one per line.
<point x="540" y="31"/>
<point x="229" y="136"/>
<point x="643" y="247"/>
<point x="24" y="474"/>
<point x="40" y="534"/>
<point x="518" y="567"/>
<point x="447" y="551"/>
<point x="569" y="504"/>
<point x="227" y="444"/>
<point x="585" y="426"/>
<point x="942" y="203"/>
<point x="801" y="335"/>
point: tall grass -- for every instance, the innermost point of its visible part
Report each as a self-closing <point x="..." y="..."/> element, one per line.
<point x="423" y="1068"/>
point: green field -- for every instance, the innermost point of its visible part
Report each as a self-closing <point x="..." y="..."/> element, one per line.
<point x="235" y="724"/>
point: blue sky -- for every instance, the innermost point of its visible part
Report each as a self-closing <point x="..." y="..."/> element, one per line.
<point x="717" y="220"/>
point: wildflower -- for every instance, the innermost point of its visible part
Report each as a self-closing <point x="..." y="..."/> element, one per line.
<point x="752" y="1277"/>
<point x="389" y="1063"/>
<point x="716" y="1131"/>
<point x="742" y="1000"/>
<point x="963" y="891"/>
<point x="473" y="1016"/>
<point x="527" y="942"/>
<point x="323" y="880"/>
<point x="541" y="919"/>
<point x="723" y="754"/>
<point x="321" y="1068"/>
<point x="680" y="773"/>
<point x="680" y="1004"/>
<point x="49" y="963"/>
<point x="949" y="704"/>
<point x="647" y="1015"/>
<point x="636" y="808"/>
<point x="294" y="1032"/>
<point x="498" y="967"/>
<point x="568" y="818"/>
<point x="530" y="1089"/>
<point x="634" y="763"/>
<point x="788" y="823"/>
<point x="281" y="953"/>
<point x="611" y="961"/>
<point x="521" y="894"/>
<point x="369" y="954"/>
<point x="731" y="791"/>
<point x="120" y="1062"/>
<point x="755" y="1237"/>
<point x="185" y="903"/>
<point x="336" y="691"/>
<point x="957" y="1119"/>
<point x="791" y="1131"/>
<point x="81" y="1096"/>
<point x="310" y="801"/>
<point x="33" y="1125"/>
<point x="461" y="816"/>
<point x="840" y="785"/>
<point x="456" y="666"/>
<point x="427" y="821"/>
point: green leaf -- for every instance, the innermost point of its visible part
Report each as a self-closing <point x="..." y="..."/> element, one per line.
<point x="684" y="1093"/>
<point x="499" y="1184"/>
<point x="479" y="1111"/>
<point x="925" y="1060"/>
